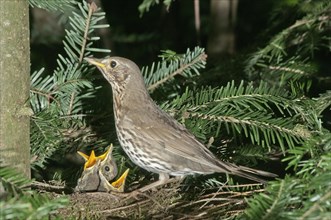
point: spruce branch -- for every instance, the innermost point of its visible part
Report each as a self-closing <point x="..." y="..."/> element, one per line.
<point x="62" y="93"/>
<point x="166" y="70"/>
<point x="290" y="70"/>
<point x="54" y="5"/>
<point x="304" y="195"/>
<point x="180" y="70"/>
<point x="277" y="63"/>
<point x="71" y="103"/>
<point x="146" y="4"/>
<point x="13" y="181"/>
<point x="323" y="102"/>
<point x="267" y="115"/>
<point x="19" y="202"/>
<point x="92" y="9"/>
<point x="271" y="129"/>
<point x="48" y="96"/>
<point x="316" y="206"/>
<point x="275" y="202"/>
<point x="32" y="206"/>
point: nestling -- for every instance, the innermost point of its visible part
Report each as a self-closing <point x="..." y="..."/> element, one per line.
<point x="99" y="172"/>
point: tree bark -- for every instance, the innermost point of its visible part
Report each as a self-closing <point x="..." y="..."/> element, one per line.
<point x="14" y="85"/>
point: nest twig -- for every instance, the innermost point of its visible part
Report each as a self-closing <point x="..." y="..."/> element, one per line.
<point x="165" y="203"/>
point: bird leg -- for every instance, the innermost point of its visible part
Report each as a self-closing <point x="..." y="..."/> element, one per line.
<point x="163" y="179"/>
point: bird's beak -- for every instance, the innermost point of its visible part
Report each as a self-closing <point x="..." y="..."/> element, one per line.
<point x="92" y="159"/>
<point x="120" y="183"/>
<point x="96" y="62"/>
<point x="103" y="156"/>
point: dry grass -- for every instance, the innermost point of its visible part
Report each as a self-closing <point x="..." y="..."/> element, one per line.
<point x="165" y="203"/>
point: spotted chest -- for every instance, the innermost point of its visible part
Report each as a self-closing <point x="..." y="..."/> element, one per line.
<point x="138" y="151"/>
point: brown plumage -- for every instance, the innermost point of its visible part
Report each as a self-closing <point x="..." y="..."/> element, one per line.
<point x="153" y="139"/>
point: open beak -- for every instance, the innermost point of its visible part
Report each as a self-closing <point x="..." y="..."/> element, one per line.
<point x="96" y="62"/>
<point x="120" y="183"/>
<point x="91" y="160"/>
<point x="84" y="156"/>
<point x="103" y="156"/>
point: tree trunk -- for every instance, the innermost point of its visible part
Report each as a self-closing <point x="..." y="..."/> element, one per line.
<point x="14" y="85"/>
<point x="222" y="34"/>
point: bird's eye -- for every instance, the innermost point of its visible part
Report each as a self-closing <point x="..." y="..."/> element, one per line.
<point x="107" y="168"/>
<point x="113" y="64"/>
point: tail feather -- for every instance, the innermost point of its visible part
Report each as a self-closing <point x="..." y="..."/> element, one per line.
<point x="246" y="172"/>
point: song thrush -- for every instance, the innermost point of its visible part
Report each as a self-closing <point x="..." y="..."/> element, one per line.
<point x="99" y="172"/>
<point x="89" y="180"/>
<point x="153" y="139"/>
<point x="107" y="166"/>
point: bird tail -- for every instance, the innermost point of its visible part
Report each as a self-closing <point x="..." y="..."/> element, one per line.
<point x="246" y="172"/>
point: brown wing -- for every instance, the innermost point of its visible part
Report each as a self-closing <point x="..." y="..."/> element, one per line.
<point x="174" y="138"/>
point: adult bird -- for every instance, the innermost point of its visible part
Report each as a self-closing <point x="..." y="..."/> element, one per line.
<point x="153" y="139"/>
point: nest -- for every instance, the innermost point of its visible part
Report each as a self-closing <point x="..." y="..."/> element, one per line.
<point x="167" y="202"/>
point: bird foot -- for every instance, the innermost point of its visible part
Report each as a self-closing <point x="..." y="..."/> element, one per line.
<point x="136" y="195"/>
